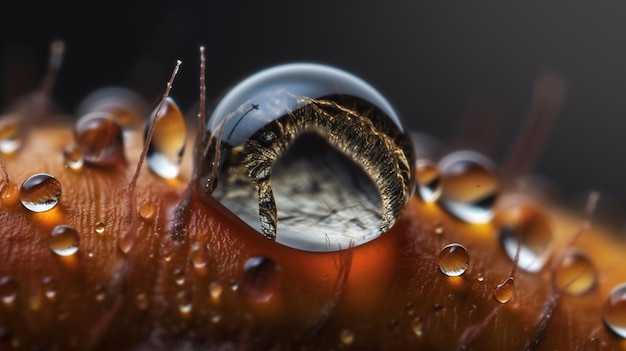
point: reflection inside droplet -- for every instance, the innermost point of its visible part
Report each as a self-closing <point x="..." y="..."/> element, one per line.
<point x="167" y="145"/>
<point x="10" y="135"/>
<point x="469" y="186"/>
<point x="575" y="274"/>
<point x="303" y="147"/>
<point x="40" y="192"/>
<point x="614" y="310"/>
<point x="261" y="276"/>
<point x="99" y="137"/>
<point x="73" y="157"/>
<point x="453" y="260"/>
<point x="504" y="291"/>
<point x="64" y="240"/>
<point x="428" y="180"/>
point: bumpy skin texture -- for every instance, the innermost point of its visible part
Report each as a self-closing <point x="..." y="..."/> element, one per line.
<point x="373" y="292"/>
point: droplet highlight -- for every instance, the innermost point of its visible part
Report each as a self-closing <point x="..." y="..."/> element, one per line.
<point x="40" y="192"/>
<point x="521" y="222"/>
<point x="504" y="291"/>
<point x="64" y="240"/>
<point x="614" y="311"/>
<point x="453" y="260"/>
<point x="8" y="290"/>
<point x="99" y="137"/>
<point x="260" y="278"/>
<point x="49" y="286"/>
<point x="185" y="302"/>
<point x="428" y="180"/>
<point x="469" y="186"/>
<point x="417" y="325"/>
<point x="199" y="255"/>
<point x="167" y="146"/>
<point x="576" y="274"/>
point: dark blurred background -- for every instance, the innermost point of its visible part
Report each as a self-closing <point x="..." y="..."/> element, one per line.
<point x="438" y="62"/>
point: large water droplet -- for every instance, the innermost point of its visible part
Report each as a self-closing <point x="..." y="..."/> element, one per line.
<point x="428" y="180"/>
<point x="310" y="156"/>
<point x="168" y="141"/>
<point x="99" y="137"/>
<point x="10" y="135"/>
<point x="469" y="186"/>
<point x="453" y="260"/>
<point x="576" y="274"/>
<point x="504" y="291"/>
<point x="8" y="290"/>
<point x="614" y="310"/>
<point x="40" y="192"/>
<point x="64" y="240"/>
<point x="260" y="278"/>
<point x="73" y="157"/>
<point x="520" y="221"/>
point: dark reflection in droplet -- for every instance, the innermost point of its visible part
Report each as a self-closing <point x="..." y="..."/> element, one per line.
<point x="99" y="136"/>
<point x="40" y="192"/>
<point x="261" y="276"/>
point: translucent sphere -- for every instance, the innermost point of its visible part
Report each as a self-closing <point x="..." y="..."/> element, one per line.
<point x="310" y="156"/>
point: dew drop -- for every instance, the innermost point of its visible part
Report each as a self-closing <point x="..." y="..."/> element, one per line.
<point x="199" y="255"/>
<point x="8" y="290"/>
<point x="147" y="211"/>
<point x="260" y="278"/>
<point x="168" y="140"/>
<point x="101" y="293"/>
<point x="49" y="288"/>
<point x="99" y="137"/>
<point x="99" y="227"/>
<point x="185" y="303"/>
<point x="417" y="325"/>
<point x="40" y="192"/>
<point x="346" y="336"/>
<point x="10" y="135"/>
<point x="179" y="276"/>
<point x="504" y="291"/>
<point x="520" y="220"/>
<point x="575" y="274"/>
<point x="438" y="228"/>
<point x="453" y="260"/>
<point x="142" y="301"/>
<point x="215" y="290"/>
<point x="614" y="310"/>
<point x="73" y="157"/>
<point x="469" y="186"/>
<point x="9" y="194"/>
<point x="480" y="277"/>
<point x="64" y="240"/>
<point x="310" y="156"/>
<point x="428" y="180"/>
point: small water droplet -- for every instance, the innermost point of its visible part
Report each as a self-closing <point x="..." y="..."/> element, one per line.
<point x="260" y="278"/>
<point x="168" y="141"/>
<point x="576" y="274"/>
<point x="73" y="157"/>
<point x="8" y="290"/>
<point x="185" y="302"/>
<point x="469" y="186"/>
<point x="179" y="276"/>
<point x="99" y="227"/>
<point x="101" y="293"/>
<point x="215" y="317"/>
<point x="453" y="260"/>
<point x="40" y="192"/>
<point x="417" y="325"/>
<point x="64" y="240"/>
<point x="520" y="220"/>
<point x="438" y="307"/>
<point x="346" y="336"/>
<point x="9" y="193"/>
<point x="480" y="277"/>
<point x="438" y="228"/>
<point x="147" y="211"/>
<point x="428" y="180"/>
<point x="10" y="135"/>
<point x="99" y="137"/>
<point x="215" y="289"/>
<point x="504" y="291"/>
<point x="199" y="255"/>
<point x="614" y="310"/>
<point x="142" y="301"/>
<point x="49" y="288"/>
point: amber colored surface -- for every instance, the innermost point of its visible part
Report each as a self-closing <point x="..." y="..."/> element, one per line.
<point x="369" y="297"/>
